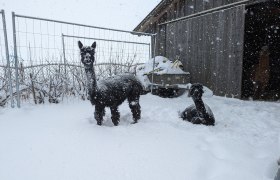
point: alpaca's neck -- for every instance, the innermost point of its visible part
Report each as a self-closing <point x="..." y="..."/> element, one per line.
<point x="91" y="80"/>
<point x="264" y="61"/>
<point x="200" y="106"/>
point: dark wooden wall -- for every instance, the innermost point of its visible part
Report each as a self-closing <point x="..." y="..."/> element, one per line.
<point x="179" y="8"/>
<point x="210" y="46"/>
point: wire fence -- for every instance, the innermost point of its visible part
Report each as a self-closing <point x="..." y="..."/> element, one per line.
<point x="112" y="56"/>
<point x="46" y="59"/>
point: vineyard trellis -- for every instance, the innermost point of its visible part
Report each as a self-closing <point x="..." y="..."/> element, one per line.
<point x="112" y="62"/>
<point x="46" y="64"/>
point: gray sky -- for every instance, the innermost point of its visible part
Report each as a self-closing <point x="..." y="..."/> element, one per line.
<point x="120" y="14"/>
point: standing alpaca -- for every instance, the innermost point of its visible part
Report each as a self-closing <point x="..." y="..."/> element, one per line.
<point x="198" y="113"/>
<point x="110" y="92"/>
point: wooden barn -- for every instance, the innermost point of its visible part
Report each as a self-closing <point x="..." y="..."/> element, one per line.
<point x="231" y="46"/>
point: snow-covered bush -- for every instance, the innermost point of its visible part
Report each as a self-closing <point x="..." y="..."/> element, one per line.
<point x="52" y="83"/>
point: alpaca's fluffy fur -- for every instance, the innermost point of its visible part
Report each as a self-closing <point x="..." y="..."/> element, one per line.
<point x="198" y="113"/>
<point x="110" y="92"/>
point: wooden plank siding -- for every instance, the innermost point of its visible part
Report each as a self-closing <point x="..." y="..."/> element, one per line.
<point x="180" y="8"/>
<point x="238" y="51"/>
<point x="210" y="45"/>
<point x="161" y="36"/>
<point x="189" y="7"/>
<point x="211" y="48"/>
<point x="177" y="9"/>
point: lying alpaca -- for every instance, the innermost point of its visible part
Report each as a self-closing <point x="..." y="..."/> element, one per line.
<point x="198" y="113"/>
<point x="110" y="92"/>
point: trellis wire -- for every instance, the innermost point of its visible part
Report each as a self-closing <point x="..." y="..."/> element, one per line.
<point x="106" y="60"/>
<point x="43" y="48"/>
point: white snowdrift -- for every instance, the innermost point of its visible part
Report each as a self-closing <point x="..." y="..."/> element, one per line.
<point x="54" y="142"/>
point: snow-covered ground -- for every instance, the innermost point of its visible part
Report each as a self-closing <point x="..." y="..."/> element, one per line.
<point x="62" y="141"/>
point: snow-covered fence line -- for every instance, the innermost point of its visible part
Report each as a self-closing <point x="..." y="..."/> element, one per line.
<point x="47" y="60"/>
<point x="48" y="82"/>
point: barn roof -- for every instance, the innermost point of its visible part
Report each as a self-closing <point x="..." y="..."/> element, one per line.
<point x="163" y="7"/>
<point x="152" y="15"/>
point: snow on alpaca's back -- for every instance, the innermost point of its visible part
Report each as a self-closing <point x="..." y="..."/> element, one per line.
<point x="114" y="82"/>
<point x="207" y="108"/>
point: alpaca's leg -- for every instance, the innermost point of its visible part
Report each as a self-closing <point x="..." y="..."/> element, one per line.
<point x="257" y="90"/>
<point x="135" y="109"/>
<point x="115" y="115"/>
<point x="98" y="114"/>
<point x="103" y="112"/>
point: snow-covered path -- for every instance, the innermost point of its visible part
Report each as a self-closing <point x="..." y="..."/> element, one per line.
<point x="56" y="142"/>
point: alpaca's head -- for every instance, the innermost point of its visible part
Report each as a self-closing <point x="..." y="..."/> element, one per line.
<point x="87" y="54"/>
<point x="196" y="91"/>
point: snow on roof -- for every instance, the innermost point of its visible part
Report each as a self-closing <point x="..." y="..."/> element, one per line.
<point x="162" y="66"/>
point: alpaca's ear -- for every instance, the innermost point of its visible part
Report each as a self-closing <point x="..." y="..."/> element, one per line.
<point x="80" y="44"/>
<point x="203" y="91"/>
<point x="93" y="45"/>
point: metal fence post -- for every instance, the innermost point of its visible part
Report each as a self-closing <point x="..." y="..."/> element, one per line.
<point x="16" y="59"/>
<point x="64" y="60"/>
<point x="8" y="58"/>
<point x="154" y="59"/>
<point x="63" y="49"/>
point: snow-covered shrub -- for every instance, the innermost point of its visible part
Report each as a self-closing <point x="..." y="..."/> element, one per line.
<point x="52" y="83"/>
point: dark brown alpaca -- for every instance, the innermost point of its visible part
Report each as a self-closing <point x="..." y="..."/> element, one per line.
<point x="261" y="73"/>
